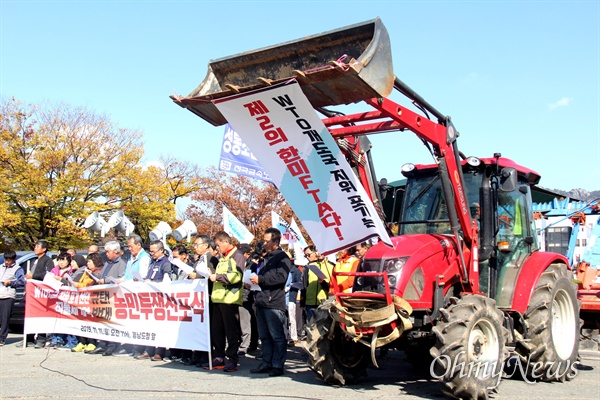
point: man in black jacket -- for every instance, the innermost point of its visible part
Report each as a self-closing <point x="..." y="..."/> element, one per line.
<point x="270" y="304"/>
<point x="42" y="265"/>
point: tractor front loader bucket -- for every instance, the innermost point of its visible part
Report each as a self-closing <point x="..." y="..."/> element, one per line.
<point x="343" y="66"/>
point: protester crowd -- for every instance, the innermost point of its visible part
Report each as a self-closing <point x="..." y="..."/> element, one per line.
<point x="262" y="322"/>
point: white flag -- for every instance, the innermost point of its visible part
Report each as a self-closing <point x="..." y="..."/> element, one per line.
<point x="278" y="222"/>
<point x="235" y="228"/>
<point x="297" y="233"/>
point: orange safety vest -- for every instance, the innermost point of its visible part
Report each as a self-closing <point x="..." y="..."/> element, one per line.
<point x="347" y="264"/>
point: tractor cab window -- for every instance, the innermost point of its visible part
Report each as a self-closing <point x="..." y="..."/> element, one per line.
<point x="510" y="220"/>
<point x="424" y="207"/>
<point x="514" y="225"/>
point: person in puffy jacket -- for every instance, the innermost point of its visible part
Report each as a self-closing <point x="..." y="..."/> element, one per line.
<point x="270" y="304"/>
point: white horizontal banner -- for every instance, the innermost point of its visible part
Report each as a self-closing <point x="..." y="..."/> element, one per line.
<point x="172" y="315"/>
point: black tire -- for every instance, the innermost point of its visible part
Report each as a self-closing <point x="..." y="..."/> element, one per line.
<point x="548" y="350"/>
<point x="337" y="360"/>
<point x="469" y="352"/>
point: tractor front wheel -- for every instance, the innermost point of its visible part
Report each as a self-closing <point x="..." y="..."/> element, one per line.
<point x="470" y="348"/>
<point x="333" y="355"/>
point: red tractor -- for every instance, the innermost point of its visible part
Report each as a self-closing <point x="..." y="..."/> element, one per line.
<point x="465" y="281"/>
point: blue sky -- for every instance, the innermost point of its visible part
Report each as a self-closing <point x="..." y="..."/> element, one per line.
<point x="517" y="77"/>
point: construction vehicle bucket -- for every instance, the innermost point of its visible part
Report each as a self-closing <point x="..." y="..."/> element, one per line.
<point x="343" y="66"/>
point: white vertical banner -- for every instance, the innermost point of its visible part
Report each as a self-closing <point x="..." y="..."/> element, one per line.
<point x="290" y="233"/>
<point x="235" y="228"/>
<point x="278" y="222"/>
<point x="303" y="160"/>
<point x="295" y="229"/>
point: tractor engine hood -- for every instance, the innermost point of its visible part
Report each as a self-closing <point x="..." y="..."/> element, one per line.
<point x="417" y="247"/>
<point x="423" y="254"/>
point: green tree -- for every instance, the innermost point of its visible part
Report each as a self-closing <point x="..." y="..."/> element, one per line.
<point x="59" y="163"/>
<point x="155" y="191"/>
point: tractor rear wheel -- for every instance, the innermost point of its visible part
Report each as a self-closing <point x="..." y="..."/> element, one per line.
<point x="337" y="360"/>
<point x="548" y="350"/>
<point x="470" y="347"/>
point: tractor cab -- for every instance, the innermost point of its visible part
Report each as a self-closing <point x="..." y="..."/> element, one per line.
<point x="499" y="199"/>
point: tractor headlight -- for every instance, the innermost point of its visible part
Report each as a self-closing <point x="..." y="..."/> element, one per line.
<point x="394" y="265"/>
<point x="407" y="169"/>
<point x="473" y="161"/>
<point x="392" y="280"/>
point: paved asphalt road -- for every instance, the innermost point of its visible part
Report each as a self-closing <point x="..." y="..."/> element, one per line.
<point x="47" y="374"/>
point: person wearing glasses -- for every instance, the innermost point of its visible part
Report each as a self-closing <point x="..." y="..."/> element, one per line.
<point x="160" y="264"/>
<point x="205" y="261"/>
<point x="227" y="297"/>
